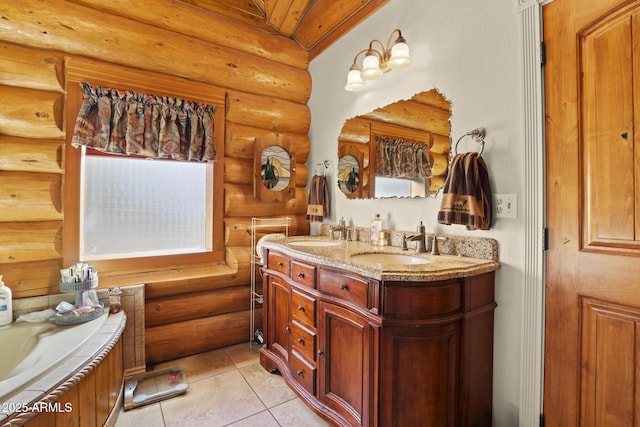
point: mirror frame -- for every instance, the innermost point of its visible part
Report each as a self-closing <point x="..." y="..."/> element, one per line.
<point x="260" y="191"/>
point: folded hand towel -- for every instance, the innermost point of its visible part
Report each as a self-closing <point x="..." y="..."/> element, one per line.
<point x="466" y="197"/>
<point x="37" y="316"/>
<point x="318" y="206"/>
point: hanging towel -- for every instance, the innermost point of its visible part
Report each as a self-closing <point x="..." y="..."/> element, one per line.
<point x="466" y="197"/>
<point x="318" y="206"/>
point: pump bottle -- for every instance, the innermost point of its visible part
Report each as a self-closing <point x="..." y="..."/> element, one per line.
<point x="376" y="228"/>
<point x="6" y="304"/>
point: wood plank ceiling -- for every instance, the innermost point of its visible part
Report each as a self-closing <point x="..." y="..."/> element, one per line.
<point x="313" y="24"/>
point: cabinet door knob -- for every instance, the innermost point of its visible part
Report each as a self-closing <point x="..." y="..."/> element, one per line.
<point x="280" y="264"/>
<point x="300" y="373"/>
<point x="343" y="286"/>
<point x="301" y="275"/>
<point x="300" y="341"/>
<point x="320" y="352"/>
<point x="300" y="308"/>
<point x="287" y="329"/>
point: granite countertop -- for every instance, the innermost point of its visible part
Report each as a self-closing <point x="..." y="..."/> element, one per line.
<point x="337" y="253"/>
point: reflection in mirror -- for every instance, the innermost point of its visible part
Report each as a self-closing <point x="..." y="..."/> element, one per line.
<point x="348" y="174"/>
<point x="275" y="166"/>
<point x="417" y="139"/>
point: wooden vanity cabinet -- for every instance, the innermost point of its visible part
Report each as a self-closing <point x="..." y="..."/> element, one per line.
<point x="362" y="352"/>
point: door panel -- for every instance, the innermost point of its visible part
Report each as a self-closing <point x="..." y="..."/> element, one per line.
<point x="592" y="104"/>
<point x="434" y="352"/>
<point x="345" y="368"/>
<point x="278" y="316"/>
<point x="609" y="360"/>
<point x="606" y="64"/>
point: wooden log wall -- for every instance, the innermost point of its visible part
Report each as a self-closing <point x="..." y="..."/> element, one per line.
<point x="267" y="86"/>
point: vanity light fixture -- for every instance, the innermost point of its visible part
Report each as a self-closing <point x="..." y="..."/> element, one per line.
<point x="376" y="62"/>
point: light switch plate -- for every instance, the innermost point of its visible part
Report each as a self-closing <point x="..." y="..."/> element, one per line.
<point x="505" y="205"/>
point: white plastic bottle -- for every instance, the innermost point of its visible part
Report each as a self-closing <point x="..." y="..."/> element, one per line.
<point x="6" y="305"/>
<point x="376" y="228"/>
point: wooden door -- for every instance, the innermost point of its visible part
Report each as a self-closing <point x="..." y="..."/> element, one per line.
<point x="592" y="325"/>
<point x="425" y="363"/>
<point x="278" y="317"/>
<point x="345" y="372"/>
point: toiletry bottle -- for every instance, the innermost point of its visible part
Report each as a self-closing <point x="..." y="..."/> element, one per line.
<point x="6" y="306"/>
<point x="115" y="305"/>
<point x="376" y="228"/>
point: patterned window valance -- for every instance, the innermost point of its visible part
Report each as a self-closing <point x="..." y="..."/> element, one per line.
<point x="399" y="158"/>
<point x="158" y="127"/>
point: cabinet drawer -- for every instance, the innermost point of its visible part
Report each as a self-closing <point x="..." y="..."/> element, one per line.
<point x="303" y="308"/>
<point x="303" y="340"/>
<point x="344" y="286"/>
<point x="303" y="273"/>
<point x="426" y="300"/>
<point x="303" y="372"/>
<point x="278" y="262"/>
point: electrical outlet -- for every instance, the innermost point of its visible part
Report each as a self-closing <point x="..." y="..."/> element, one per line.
<point x="505" y="205"/>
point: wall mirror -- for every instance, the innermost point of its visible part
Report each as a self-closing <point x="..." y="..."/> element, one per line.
<point x="350" y="163"/>
<point x="274" y="168"/>
<point x="402" y="149"/>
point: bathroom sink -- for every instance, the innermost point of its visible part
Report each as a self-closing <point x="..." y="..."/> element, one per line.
<point x="384" y="259"/>
<point x="314" y="243"/>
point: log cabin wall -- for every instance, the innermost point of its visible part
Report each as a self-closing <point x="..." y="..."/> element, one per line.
<point x="267" y="85"/>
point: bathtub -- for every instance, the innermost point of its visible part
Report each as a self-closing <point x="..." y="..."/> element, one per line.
<point x="31" y="349"/>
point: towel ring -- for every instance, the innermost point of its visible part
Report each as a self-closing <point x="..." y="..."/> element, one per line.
<point x="477" y="135"/>
<point x="326" y="165"/>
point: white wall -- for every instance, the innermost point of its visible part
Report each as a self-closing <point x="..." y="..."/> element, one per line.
<point x="470" y="51"/>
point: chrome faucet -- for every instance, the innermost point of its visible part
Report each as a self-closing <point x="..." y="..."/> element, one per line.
<point x="420" y="239"/>
<point x="341" y="227"/>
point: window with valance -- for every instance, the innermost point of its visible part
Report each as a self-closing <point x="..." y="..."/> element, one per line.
<point x="132" y="123"/>
<point x="130" y="214"/>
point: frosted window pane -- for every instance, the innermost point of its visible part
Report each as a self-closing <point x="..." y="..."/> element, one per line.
<point x="390" y="187"/>
<point x="138" y="207"/>
<point x="394" y="187"/>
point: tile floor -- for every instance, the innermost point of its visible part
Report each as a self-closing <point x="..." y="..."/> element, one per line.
<point x="227" y="387"/>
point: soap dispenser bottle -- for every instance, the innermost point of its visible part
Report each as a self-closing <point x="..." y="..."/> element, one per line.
<point x="376" y="228"/>
<point x="6" y="305"/>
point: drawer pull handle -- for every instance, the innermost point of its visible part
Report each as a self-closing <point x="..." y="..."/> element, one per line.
<point x="300" y="341"/>
<point x="343" y="286"/>
<point x="300" y="373"/>
<point x="280" y="264"/>
<point x="288" y="329"/>
<point x="320" y="352"/>
<point x="301" y="275"/>
<point x="300" y="308"/>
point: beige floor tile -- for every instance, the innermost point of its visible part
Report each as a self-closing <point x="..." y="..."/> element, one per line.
<point x="295" y="413"/>
<point x="215" y="401"/>
<point x="243" y="354"/>
<point x="270" y="388"/>
<point x="150" y="415"/>
<point x="263" y="419"/>
<point x="227" y="387"/>
<point x="203" y="365"/>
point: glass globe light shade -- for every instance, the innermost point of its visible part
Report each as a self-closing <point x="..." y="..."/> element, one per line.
<point x="371" y="67"/>
<point x="354" y="81"/>
<point x="399" y="56"/>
